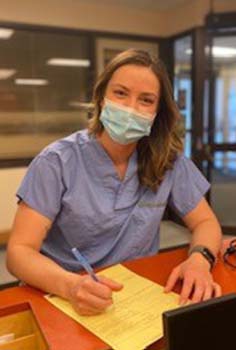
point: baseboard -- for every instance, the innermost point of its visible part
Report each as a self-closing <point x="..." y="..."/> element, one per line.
<point x="4" y="235"/>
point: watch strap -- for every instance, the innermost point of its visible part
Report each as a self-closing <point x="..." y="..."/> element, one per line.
<point x="206" y="253"/>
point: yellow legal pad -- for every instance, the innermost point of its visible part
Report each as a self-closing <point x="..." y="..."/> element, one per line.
<point x="135" y="321"/>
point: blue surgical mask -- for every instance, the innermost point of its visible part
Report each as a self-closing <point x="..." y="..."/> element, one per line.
<point x="125" y="125"/>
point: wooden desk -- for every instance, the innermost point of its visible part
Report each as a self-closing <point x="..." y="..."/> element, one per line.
<point x="62" y="332"/>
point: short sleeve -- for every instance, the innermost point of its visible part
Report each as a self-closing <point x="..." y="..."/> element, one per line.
<point x="42" y="187"/>
<point x="189" y="186"/>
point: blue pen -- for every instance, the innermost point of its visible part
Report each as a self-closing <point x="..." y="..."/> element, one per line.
<point x="84" y="262"/>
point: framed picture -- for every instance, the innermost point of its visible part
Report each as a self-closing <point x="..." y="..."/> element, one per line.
<point x="106" y="49"/>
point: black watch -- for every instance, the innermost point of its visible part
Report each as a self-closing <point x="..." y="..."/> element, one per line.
<point x="206" y="253"/>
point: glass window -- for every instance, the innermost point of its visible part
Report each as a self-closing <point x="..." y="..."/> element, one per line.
<point x="44" y="78"/>
<point x="183" y="84"/>
<point x="206" y="111"/>
<point x="225" y="164"/>
<point x="224" y="62"/>
<point x="188" y="144"/>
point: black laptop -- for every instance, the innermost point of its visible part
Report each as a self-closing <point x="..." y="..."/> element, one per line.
<point x="208" y="325"/>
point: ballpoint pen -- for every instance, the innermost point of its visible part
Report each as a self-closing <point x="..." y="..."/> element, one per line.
<point x="84" y="262"/>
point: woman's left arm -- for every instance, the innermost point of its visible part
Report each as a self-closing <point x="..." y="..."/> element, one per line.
<point x="195" y="270"/>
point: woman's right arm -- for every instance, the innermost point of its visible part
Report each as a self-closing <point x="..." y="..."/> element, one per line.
<point x="25" y="261"/>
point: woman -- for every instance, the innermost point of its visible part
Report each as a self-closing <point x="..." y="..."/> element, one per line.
<point x="105" y="190"/>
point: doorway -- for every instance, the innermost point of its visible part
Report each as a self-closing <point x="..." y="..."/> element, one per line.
<point x="220" y="134"/>
<point x="208" y="108"/>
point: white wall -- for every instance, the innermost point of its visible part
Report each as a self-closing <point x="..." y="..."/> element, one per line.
<point x="9" y="182"/>
<point x="102" y="16"/>
<point x="83" y="15"/>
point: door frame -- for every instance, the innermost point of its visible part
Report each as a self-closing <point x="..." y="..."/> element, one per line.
<point x="212" y="146"/>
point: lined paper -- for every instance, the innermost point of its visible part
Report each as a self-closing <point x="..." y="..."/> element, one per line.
<point x="135" y="321"/>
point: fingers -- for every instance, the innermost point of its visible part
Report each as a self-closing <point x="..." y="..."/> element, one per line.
<point x="208" y="293"/>
<point x="198" y="287"/>
<point x="186" y="290"/>
<point x="90" y="297"/>
<point x="218" y="290"/>
<point x="173" y="278"/>
<point x="187" y="285"/>
<point x="85" y="310"/>
<point x="200" y="290"/>
<point x="113" y="285"/>
<point x="92" y="303"/>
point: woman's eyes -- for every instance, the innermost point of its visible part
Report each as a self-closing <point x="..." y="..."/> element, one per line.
<point x="120" y="93"/>
<point x="147" y="100"/>
<point x="143" y="99"/>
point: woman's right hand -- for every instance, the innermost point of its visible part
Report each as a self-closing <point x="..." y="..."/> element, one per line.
<point x="89" y="297"/>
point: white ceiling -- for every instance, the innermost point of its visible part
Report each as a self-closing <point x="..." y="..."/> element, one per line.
<point x="159" y="5"/>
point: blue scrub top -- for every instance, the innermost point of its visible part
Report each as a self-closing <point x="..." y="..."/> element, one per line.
<point x="74" y="183"/>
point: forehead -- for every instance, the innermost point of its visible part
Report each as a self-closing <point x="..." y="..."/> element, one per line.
<point x="135" y="76"/>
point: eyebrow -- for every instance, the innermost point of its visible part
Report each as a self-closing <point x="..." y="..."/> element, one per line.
<point x="143" y="93"/>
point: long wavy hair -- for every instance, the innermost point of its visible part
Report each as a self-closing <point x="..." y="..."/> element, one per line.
<point x="158" y="151"/>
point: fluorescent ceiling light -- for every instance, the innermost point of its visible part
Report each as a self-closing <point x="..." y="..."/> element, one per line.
<point x="6" y="33"/>
<point x="189" y="51"/>
<point x="6" y="73"/>
<point x="82" y="105"/>
<point x="218" y="51"/>
<point x="37" y="82"/>
<point x="69" y="62"/>
<point x="223" y="51"/>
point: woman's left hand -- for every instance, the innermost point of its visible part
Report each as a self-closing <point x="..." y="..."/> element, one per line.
<point x="197" y="280"/>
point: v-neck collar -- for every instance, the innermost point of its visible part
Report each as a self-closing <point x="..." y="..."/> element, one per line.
<point x="102" y="156"/>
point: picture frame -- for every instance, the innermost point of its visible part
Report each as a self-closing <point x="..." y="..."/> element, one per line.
<point x="107" y="48"/>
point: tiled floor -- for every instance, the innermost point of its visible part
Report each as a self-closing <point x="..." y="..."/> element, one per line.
<point x="171" y="235"/>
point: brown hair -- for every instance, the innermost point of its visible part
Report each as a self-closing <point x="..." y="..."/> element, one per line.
<point x="156" y="152"/>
